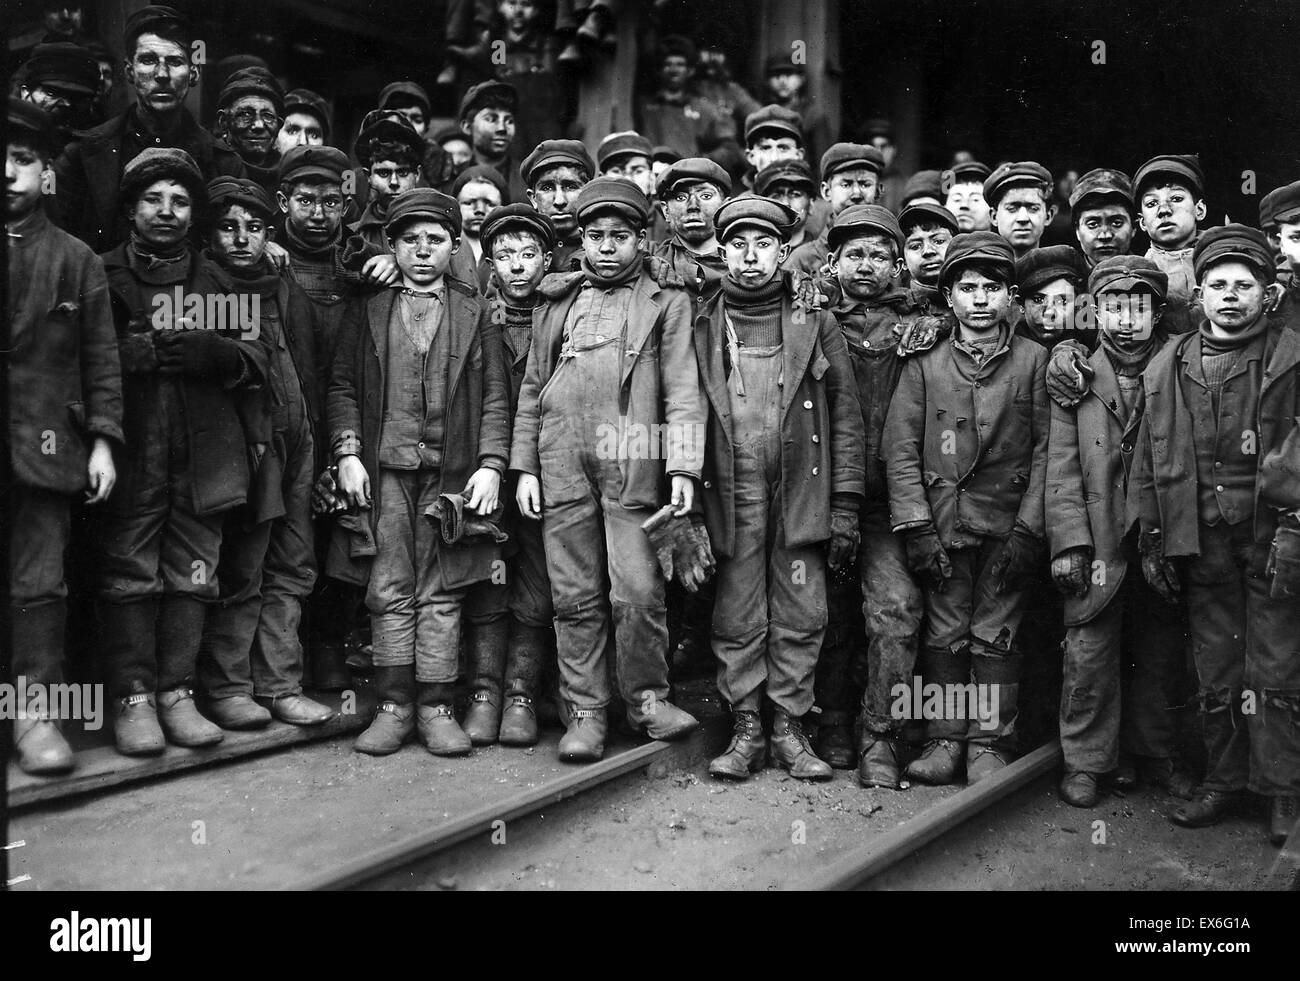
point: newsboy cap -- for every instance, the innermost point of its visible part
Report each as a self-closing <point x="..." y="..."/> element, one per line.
<point x="305" y="100"/>
<point x="154" y="19"/>
<point x="1122" y="273"/>
<point x="62" y="65"/>
<point x="1023" y="173"/>
<point x="1285" y="204"/>
<point x="517" y="218"/>
<point x="973" y="247"/>
<point x="777" y="119"/>
<point x="1183" y="168"/>
<point x="485" y="173"/>
<point x="693" y="169"/>
<point x="612" y="194"/>
<point x="864" y="219"/>
<point x="923" y="212"/>
<point x="252" y="81"/>
<point x="1038" y="267"/>
<point x="324" y="162"/>
<point x="843" y="156"/>
<point x="664" y="154"/>
<point x="1100" y="184"/>
<point x="922" y="184"/>
<point x="754" y="211"/>
<point x="782" y="63"/>
<point x="162" y="163"/>
<point x="422" y="202"/>
<point x="554" y="153"/>
<point x="617" y="146"/>
<point x="478" y="96"/>
<point x="411" y="90"/>
<point x="31" y="118"/>
<point x="225" y="191"/>
<point x="785" y="171"/>
<point x="386" y="126"/>
<point x="968" y="172"/>
<point x="1234" y="241"/>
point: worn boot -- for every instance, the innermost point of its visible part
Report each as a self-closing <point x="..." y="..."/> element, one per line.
<point x="180" y="632"/>
<point x="436" y="722"/>
<point x="40" y="746"/>
<point x="835" y="739"/>
<point x="938" y="763"/>
<point x="1283" y="816"/>
<point x="238" y="712"/>
<point x="1205" y="809"/>
<point x="135" y="729"/>
<point x="526" y="655"/>
<point x="792" y="751"/>
<point x="878" y="762"/>
<point x="746" y="751"/>
<point x="1079" y="789"/>
<point x="181" y="722"/>
<point x="988" y="751"/>
<point x="664" y="720"/>
<point x="941" y="760"/>
<point x="485" y="643"/>
<point x="394" y="720"/>
<point x="584" y="741"/>
<point x="37" y="636"/>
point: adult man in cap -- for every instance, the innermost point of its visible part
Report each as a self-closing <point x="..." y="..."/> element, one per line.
<point x="786" y="82"/>
<point x="1102" y="209"/>
<point x="850" y="175"/>
<point x="418" y="409"/>
<point x="973" y="520"/>
<point x="1020" y="195"/>
<point x="410" y="99"/>
<point x="62" y="353"/>
<point x="766" y="510"/>
<point x="555" y="172"/>
<point x="771" y="133"/>
<point x="391" y="155"/>
<point x="627" y="154"/>
<point x="249" y="111"/>
<point x="306" y="121"/>
<point x="714" y="83"/>
<point x="690" y="193"/>
<point x="89" y="172"/>
<point x="685" y="121"/>
<point x="789" y="182"/>
<point x="62" y="78"/>
<point x="1170" y="193"/>
<point x="487" y="117"/>
<point x="927" y="230"/>
<point x="963" y="186"/>
<point x="252" y="659"/>
<point x="1047" y="284"/>
<point x="477" y="191"/>
<point x="1221" y="407"/>
<point x="595" y="473"/>
<point x="1124" y="647"/>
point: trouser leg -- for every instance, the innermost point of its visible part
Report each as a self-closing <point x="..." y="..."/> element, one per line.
<point x="892" y="608"/>
<point x="1090" y="693"/>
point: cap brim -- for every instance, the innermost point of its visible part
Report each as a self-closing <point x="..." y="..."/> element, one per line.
<point x="1288" y="215"/>
<point x="622" y="210"/>
<point x="1123" y="284"/>
<point x="311" y="170"/>
<point x="782" y="128"/>
<point x="70" y="86"/>
<point x="758" y="223"/>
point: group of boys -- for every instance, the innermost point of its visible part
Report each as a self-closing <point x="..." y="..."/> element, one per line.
<point x="889" y="434"/>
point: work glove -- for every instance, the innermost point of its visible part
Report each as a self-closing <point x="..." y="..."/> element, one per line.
<point x="693" y="562"/>
<point x="1068" y="374"/>
<point x="926" y="557"/>
<point x="1158" y="570"/>
<point x="844" y="540"/>
<point x="1283" y="567"/>
<point x="921" y="334"/>
<point x="1016" y="560"/>
<point x="325" y="496"/>
<point x="663" y="273"/>
<point x="1070" y="570"/>
<point x="196" y="354"/>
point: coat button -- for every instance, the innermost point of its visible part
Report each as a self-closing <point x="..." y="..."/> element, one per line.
<point x="1219" y="488"/>
<point x="807" y="403"/>
<point x="1217" y="465"/>
<point x="708" y="484"/>
<point x="1126" y="447"/>
<point x="420" y="445"/>
<point x="816" y="471"/>
<point x="816" y="438"/>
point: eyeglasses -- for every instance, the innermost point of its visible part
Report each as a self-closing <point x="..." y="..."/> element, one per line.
<point x="329" y="205"/>
<point x="247" y="117"/>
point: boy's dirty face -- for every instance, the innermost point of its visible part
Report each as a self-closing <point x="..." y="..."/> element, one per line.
<point x="57" y="102"/>
<point x="784" y="86"/>
<point x="1022" y="214"/>
<point x="162" y="213"/>
<point x="753" y="256"/>
<point x="161" y="73"/>
<point x="491" y="131"/>
<point x="856" y="185"/>
<point x="422" y="249"/>
<point x="520" y="263"/>
<point x="1232" y="294"/>
<point x="239" y="237"/>
<point x="476" y="199"/>
<point x="24" y="168"/>
<point x="1104" y="230"/>
<point x="966" y="202"/>
<point x="768" y="148"/>
<point x="519" y="16"/>
<point x="635" y="169"/>
<point x="1289" y="242"/>
<point x="389" y="177"/>
<point x="979" y="303"/>
<point x="1169" y="215"/>
<point x="1050" y="307"/>
<point x="866" y="265"/>
<point x="796" y="197"/>
<point x="459" y="151"/>
<point x="1128" y="318"/>
<point x="689" y="209"/>
<point x="923" y="251"/>
<point x="611" y="244"/>
<point x="299" y="129"/>
<point x="252" y="124"/>
<point x="314" y="210"/>
<point x="553" y="193"/>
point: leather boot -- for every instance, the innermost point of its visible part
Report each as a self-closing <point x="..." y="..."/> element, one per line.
<point x="181" y="722"/>
<point x="984" y="760"/>
<point x="938" y="763"/>
<point x="746" y="751"/>
<point x="878" y="762"/>
<point x="664" y="721"/>
<point x="1283" y="815"/>
<point x="394" y="720"/>
<point x="436" y="722"/>
<point x="297" y="709"/>
<point x="792" y="751"/>
<point x="1205" y="809"/>
<point x="1079" y="789"/>
<point x="485" y="643"/>
<point x="40" y="747"/>
<point x="835" y="739"/>
<point x="37" y="636"/>
<point x="329" y="667"/>
<point x="135" y="728"/>
<point x="584" y="740"/>
<point x="527" y="653"/>
<point x="987" y="752"/>
<point x="238" y="712"/>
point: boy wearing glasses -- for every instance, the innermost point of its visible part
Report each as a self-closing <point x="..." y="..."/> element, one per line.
<point x="850" y="175"/>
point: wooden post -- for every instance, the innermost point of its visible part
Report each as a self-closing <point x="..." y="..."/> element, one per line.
<point x="606" y="92"/>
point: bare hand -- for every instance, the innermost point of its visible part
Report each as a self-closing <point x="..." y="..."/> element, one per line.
<point x="683" y="495"/>
<point x="101" y="472"/>
<point x="354" y="482"/>
<point x="278" y="255"/>
<point x="528" y="495"/>
<point x="483" y="490"/>
<point x="381" y="270"/>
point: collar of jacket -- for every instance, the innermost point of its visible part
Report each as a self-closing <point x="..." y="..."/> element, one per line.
<point x="1182" y="253"/>
<point x="1005" y="333"/>
<point x="27" y="229"/>
<point x="893" y="296"/>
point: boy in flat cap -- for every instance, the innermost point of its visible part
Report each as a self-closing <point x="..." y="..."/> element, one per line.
<point x="877" y="598"/>
<point x="965" y="449"/>
<point x="1103" y="212"/>
<point x="1124" y="647"/>
<point x="477" y="190"/>
<point x="923" y="187"/>
<point x="1170" y="193"/>
<point x="193" y="359"/>
<point x="1047" y="284"/>
<point x="627" y="154"/>
<point x="676" y="117"/>
<point x="1285" y="216"/>
<point x="63" y="352"/>
<point x="963" y="186"/>
<point x="62" y="78"/>
<point x="772" y="133"/>
<point x="1020" y="196"/>
<point x="409" y="98"/>
<point x="555" y="172"/>
<point x="250" y="108"/>
<point x="610" y="365"/>
<point x="690" y="193"/>
<point x="927" y="229"/>
<point x="1221" y="405"/>
<point x="782" y="479"/>
<point x="487" y="117"/>
<point x="157" y="43"/>
<point x="306" y="121"/>
<point x="850" y="174"/>
<point x="390" y="153"/>
<point x="250" y="645"/>
<point x="789" y="182"/>
<point x="418" y="410"/>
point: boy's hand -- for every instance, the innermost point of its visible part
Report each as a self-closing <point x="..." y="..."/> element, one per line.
<point x="483" y="490"/>
<point x="1068" y="375"/>
<point x="1070" y="570"/>
<point x="1158" y="570"/>
<point x="354" y="482"/>
<point x="380" y="270"/>
<point x="683" y="495"/>
<point x="100" y="471"/>
<point x="528" y="495"/>
<point x="927" y="558"/>
<point x="278" y="255"/>
<point x="844" y="540"/>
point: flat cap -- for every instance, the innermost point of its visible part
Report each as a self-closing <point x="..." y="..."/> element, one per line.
<point x="30" y="117"/>
<point x="664" y="154"/>
<point x="754" y="211"/>
<point x="407" y="88"/>
<point x="485" y="173"/>
<point x="386" y="126"/>
<point x="162" y="163"/>
<point x="554" y="153"/>
<point x="878" y="126"/>
<point x="778" y="120"/>
<point x="782" y="63"/>
<point x="923" y="212"/>
<point x="1024" y="173"/>
<point x="842" y="156"/>
<point x="1234" y="241"/>
<point x="151" y="20"/>
<point x="972" y="247"/>
<point x="922" y="184"/>
<point x="480" y="95"/>
<point x="1038" y="267"/>
<point x="63" y="65"/>
<point x="693" y="169"/>
<point x="1183" y="168"/>
<point x="785" y="171"/>
<point x="864" y="219"/>
<point x="225" y="191"/>
<point x="612" y="194"/>
<point x="426" y="203"/>
<point x="1283" y="204"/>
<point x="966" y="172"/>
<point x="305" y="100"/>
<point x="517" y="218"/>
<point x="1102" y="183"/>
<point x="617" y="146"/>
<point x="1122" y="273"/>
<point x="324" y="162"/>
<point x="252" y="81"/>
